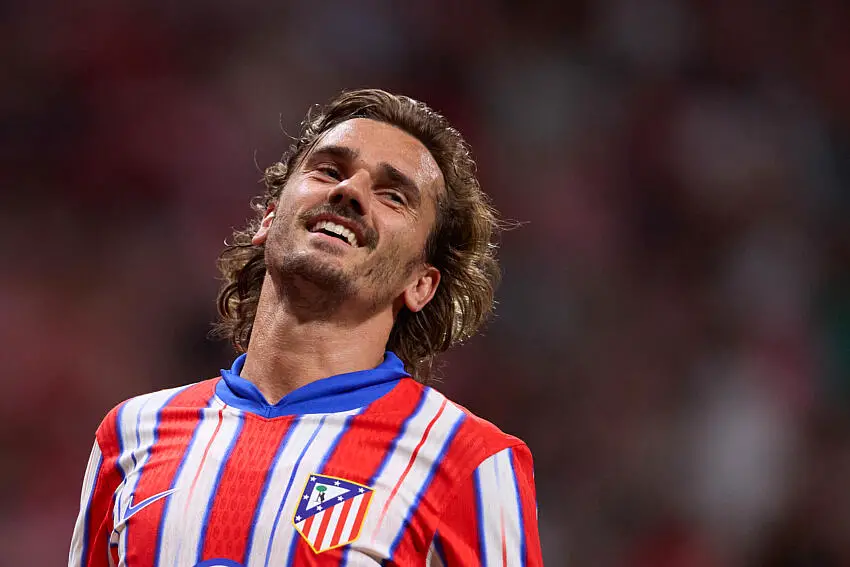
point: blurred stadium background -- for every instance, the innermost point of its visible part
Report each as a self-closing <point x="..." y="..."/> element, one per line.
<point x="673" y="331"/>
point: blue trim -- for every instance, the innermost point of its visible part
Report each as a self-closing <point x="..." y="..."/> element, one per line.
<point x="343" y="392"/>
<point x="177" y="473"/>
<point x="115" y="500"/>
<point x="422" y="397"/>
<point x="119" y="416"/>
<point x="449" y="438"/>
<point x="224" y="459"/>
<point x="482" y="544"/>
<point x="133" y="510"/>
<point x="219" y="563"/>
<point x="522" y="544"/>
<point x="266" y="485"/>
<point x="438" y="547"/>
<point x="320" y="469"/>
<point x="118" y="466"/>
<point x="289" y="487"/>
<point x="87" y="515"/>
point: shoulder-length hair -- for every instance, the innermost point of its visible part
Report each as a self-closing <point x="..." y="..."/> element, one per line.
<point x="460" y="244"/>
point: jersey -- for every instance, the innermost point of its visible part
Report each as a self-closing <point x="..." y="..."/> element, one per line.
<point x="360" y="469"/>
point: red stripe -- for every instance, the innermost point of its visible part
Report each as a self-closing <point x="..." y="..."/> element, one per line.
<point x="362" y="449"/>
<point x="459" y="530"/>
<point x="177" y="424"/>
<point x="106" y="481"/>
<point x="341" y="523"/>
<point x="323" y="527"/>
<point x="361" y="513"/>
<point x="241" y="486"/>
<point x="305" y="529"/>
<point x="411" y="460"/>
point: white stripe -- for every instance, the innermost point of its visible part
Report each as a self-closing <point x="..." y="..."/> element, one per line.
<point x="314" y="527"/>
<point x="382" y="534"/>
<point x="489" y="499"/>
<point x="433" y="558"/>
<point x="329" y="534"/>
<point x="511" y="513"/>
<point x="356" y="503"/>
<point x="181" y="529"/>
<point x="283" y="471"/>
<point x="75" y="556"/>
<point x="141" y="410"/>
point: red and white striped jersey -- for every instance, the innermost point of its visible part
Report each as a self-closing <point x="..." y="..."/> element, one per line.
<point x="364" y="468"/>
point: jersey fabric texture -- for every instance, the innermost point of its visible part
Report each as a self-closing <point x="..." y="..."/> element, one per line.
<point x="365" y="468"/>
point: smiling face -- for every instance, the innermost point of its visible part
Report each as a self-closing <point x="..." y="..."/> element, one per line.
<point x="354" y="217"/>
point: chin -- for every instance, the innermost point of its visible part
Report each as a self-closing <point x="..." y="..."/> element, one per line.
<point x="324" y="273"/>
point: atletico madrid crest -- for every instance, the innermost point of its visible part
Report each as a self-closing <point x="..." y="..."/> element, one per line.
<point x="330" y="511"/>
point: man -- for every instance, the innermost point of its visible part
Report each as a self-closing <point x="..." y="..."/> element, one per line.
<point x="322" y="445"/>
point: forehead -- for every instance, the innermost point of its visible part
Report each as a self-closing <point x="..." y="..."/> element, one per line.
<point x="378" y="142"/>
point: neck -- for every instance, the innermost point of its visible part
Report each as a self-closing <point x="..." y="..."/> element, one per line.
<point x="288" y="350"/>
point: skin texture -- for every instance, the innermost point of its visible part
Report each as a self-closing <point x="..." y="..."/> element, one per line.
<point x="328" y="308"/>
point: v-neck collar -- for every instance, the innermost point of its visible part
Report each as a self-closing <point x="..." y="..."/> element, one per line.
<point x="342" y="392"/>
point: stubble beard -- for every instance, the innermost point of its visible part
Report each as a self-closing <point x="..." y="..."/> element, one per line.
<point x="313" y="286"/>
<point x="319" y="288"/>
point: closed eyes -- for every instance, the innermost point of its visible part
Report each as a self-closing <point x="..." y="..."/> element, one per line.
<point x="330" y="171"/>
<point x="396" y="197"/>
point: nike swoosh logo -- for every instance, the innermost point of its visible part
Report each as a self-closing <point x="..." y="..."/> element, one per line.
<point x="133" y="510"/>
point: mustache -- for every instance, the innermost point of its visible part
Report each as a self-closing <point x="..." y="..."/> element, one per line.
<point x="370" y="235"/>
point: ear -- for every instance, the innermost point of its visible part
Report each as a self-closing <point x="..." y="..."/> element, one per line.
<point x="263" y="232"/>
<point x="422" y="290"/>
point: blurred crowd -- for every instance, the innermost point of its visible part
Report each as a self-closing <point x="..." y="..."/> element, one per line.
<point x="672" y="336"/>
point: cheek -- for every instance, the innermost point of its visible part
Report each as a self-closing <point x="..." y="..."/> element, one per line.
<point x="405" y="245"/>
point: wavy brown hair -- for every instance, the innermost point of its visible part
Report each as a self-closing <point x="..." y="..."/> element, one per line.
<point x="460" y="244"/>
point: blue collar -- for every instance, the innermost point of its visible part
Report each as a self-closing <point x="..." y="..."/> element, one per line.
<point x="342" y="392"/>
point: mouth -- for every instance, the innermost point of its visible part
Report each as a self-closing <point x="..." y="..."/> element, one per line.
<point x="337" y="227"/>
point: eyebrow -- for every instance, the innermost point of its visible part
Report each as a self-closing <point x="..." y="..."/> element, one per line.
<point x="387" y="171"/>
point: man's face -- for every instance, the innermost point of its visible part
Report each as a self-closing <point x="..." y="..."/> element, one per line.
<point x="355" y="214"/>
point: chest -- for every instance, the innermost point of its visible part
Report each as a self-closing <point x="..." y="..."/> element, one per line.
<point x="314" y="490"/>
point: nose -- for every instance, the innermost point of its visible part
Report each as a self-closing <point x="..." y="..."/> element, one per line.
<point x="352" y="191"/>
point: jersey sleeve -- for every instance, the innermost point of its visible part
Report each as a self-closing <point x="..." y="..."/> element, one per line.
<point x="92" y="531"/>
<point x="492" y="518"/>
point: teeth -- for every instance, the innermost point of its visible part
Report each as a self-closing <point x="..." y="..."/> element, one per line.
<point x="337" y="229"/>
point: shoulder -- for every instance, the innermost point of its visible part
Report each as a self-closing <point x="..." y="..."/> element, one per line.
<point x="144" y="411"/>
<point x="472" y="438"/>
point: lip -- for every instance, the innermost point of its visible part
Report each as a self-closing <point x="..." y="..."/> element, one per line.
<point x="352" y="226"/>
<point x="331" y="241"/>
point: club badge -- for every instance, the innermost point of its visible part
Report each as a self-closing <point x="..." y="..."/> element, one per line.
<point x="331" y="511"/>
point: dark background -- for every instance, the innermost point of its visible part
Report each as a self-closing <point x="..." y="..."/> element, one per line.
<point x="672" y="337"/>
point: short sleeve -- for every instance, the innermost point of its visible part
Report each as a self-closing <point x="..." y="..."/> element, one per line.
<point x="93" y="528"/>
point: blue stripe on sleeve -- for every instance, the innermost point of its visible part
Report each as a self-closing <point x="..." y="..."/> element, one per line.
<point x="479" y="501"/>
